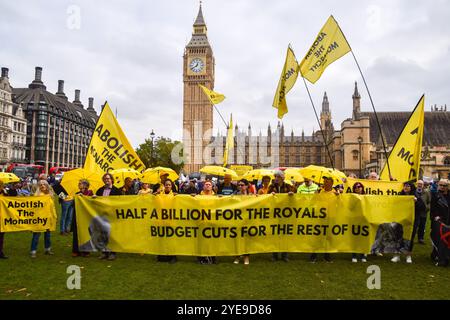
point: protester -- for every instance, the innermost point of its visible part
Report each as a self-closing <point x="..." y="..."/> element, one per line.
<point x="207" y="191"/>
<point x="279" y="186"/>
<point x="424" y="193"/>
<point x="265" y="185"/>
<point x="83" y="187"/>
<point x="440" y="223"/>
<point x="52" y="179"/>
<point x="67" y="207"/>
<point x="13" y="189"/>
<point x="226" y="188"/>
<point x="128" y="187"/>
<point x="145" y="189"/>
<point x="190" y="188"/>
<point x="43" y="189"/>
<point x="410" y="190"/>
<point x="373" y="176"/>
<point x="159" y="187"/>
<point x="3" y="193"/>
<point x="167" y="190"/>
<point x="108" y="190"/>
<point x="327" y="188"/>
<point x="308" y="187"/>
<point x="243" y="186"/>
<point x="358" y="188"/>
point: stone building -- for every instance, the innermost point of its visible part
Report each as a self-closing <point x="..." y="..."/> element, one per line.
<point x="12" y="125"/>
<point x="58" y="131"/>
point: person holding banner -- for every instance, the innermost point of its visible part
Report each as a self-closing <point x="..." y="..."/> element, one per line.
<point x="327" y="188"/>
<point x="108" y="190"/>
<point x="3" y="193"/>
<point x="243" y="186"/>
<point x="440" y="224"/>
<point x="145" y="189"/>
<point x="128" y="187"/>
<point x="307" y="187"/>
<point x="410" y="190"/>
<point x="226" y="188"/>
<point x="425" y="194"/>
<point x="83" y="187"/>
<point x="358" y="188"/>
<point x="167" y="190"/>
<point x="279" y="186"/>
<point x="207" y="191"/>
<point x="265" y="185"/>
<point x="43" y="189"/>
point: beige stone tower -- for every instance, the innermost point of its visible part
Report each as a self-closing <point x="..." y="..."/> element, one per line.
<point x="198" y="68"/>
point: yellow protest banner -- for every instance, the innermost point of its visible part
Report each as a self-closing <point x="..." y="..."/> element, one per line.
<point x="329" y="45"/>
<point x="287" y="80"/>
<point x="27" y="214"/>
<point x="375" y="187"/>
<point x="229" y="144"/>
<point x="109" y="148"/>
<point x="404" y="159"/>
<point x="209" y="225"/>
<point x="214" y="97"/>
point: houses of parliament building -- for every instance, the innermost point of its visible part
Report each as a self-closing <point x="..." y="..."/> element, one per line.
<point x="356" y="147"/>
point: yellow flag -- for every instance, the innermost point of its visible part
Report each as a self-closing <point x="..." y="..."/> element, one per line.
<point x="287" y="81"/>
<point x="404" y="159"/>
<point x="329" y="45"/>
<point x="109" y="148"/>
<point x="229" y="144"/>
<point x="214" y="97"/>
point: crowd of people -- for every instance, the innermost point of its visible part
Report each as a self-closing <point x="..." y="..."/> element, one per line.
<point x="431" y="200"/>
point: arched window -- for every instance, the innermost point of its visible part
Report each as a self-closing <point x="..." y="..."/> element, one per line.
<point x="447" y="161"/>
<point x="355" y="154"/>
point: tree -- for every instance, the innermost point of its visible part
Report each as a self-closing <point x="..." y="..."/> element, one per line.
<point x="159" y="153"/>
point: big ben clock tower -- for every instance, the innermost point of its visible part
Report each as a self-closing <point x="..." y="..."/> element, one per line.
<point x="198" y="68"/>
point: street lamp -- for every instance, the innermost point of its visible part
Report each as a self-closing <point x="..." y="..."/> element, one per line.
<point x="360" y="140"/>
<point x="152" y="136"/>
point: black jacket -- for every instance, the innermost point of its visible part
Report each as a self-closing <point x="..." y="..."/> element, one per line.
<point x="440" y="207"/>
<point x="114" y="191"/>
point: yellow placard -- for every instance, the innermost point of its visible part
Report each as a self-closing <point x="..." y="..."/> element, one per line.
<point x="109" y="148"/>
<point x="329" y="45"/>
<point x="210" y="225"/>
<point x="375" y="187"/>
<point x="404" y="159"/>
<point x="27" y="214"/>
<point x="287" y="80"/>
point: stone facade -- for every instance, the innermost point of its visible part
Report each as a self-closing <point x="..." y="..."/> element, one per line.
<point x="57" y="131"/>
<point x="12" y="125"/>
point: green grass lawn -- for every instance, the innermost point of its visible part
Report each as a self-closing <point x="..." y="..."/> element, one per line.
<point x="133" y="276"/>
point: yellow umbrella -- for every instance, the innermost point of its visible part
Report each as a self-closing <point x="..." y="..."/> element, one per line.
<point x="339" y="174"/>
<point x="71" y="179"/>
<point x="316" y="174"/>
<point x="293" y="174"/>
<point x="121" y="174"/>
<point x="258" y="174"/>
<point x="152" y="175"/>
<point x="8" y="177"/>
<point x="219" y="171"/>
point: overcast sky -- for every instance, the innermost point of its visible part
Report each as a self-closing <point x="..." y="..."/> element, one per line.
<point x="130" y="53"/>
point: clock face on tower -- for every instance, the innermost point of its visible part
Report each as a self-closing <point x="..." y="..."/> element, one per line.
<point x="196" y="65"/>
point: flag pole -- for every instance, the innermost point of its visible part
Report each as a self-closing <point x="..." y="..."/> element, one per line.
<point x="318" y="121"/>
<point x="376" y="116"/>
<point x="226" y="125"/>
<point x="370" y="98"/>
